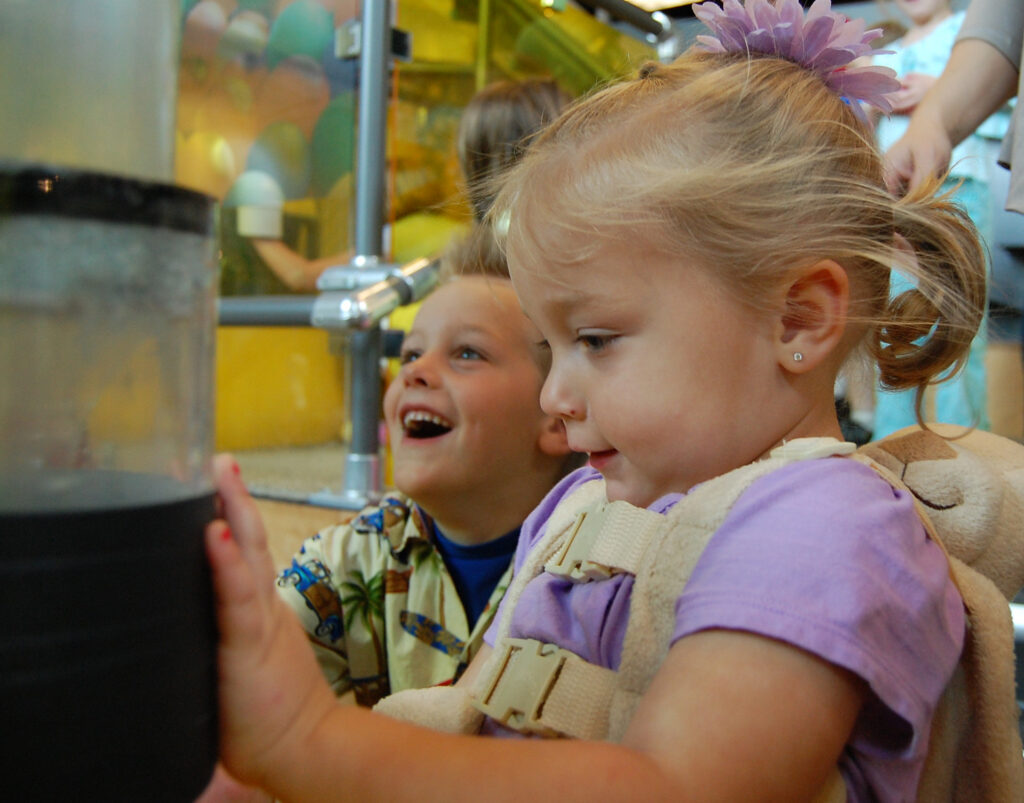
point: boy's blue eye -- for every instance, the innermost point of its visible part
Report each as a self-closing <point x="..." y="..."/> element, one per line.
<point x="467" y="353"/>
<point x="407" y="357"/>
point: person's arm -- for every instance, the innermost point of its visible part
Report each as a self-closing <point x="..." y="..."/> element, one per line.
<point x="976" y="81"/>
<point x="720" y="722"/>
<point x="296" y="271"/>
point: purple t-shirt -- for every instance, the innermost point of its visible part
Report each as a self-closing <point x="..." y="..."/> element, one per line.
<point x="822" y="554"/>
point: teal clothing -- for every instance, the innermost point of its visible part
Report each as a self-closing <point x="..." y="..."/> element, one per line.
<point x="961" y="399"/>
<point x="976" y="156"/>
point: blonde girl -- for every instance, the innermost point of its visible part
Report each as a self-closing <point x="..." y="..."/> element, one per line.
<point x="701" y="249"/>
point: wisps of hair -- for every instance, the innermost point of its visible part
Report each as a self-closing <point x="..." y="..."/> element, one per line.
<point x="475" y="254"/>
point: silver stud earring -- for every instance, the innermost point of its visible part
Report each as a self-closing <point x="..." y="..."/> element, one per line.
<point x="797" y="356"/>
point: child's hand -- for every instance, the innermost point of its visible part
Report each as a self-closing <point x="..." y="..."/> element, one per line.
<point x="913" y="87"/>
<point x="272" y="694"/>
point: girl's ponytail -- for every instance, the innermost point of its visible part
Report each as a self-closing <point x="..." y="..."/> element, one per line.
<point x="928" y="329"/>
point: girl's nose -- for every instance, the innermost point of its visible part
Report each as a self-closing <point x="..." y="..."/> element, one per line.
<point x="558" y="399"/>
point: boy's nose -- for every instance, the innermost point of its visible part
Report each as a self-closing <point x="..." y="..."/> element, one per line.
<point x="420" y="371"/>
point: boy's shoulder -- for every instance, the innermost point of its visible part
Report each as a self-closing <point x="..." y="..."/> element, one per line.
<point x="394" y="526"/>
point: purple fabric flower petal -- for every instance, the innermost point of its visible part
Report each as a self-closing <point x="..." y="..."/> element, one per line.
<point x="783" y="33"/>
<point x="821" y="40"/>
<point x="872" y="83"/>
<point x="872" y="35"/>
<point x="816" y="36"/>
<point x="819" y="8"/>
<point x="831" y="59"/>
<point x="709" y="13"/>
<point x="711" y="44"/>
<point x="762" y="13"/>
<point x="791" y="12"/>
<point x="734" y="35"/>
<point x="761" y="41"/>
<point x="734" y="8"/>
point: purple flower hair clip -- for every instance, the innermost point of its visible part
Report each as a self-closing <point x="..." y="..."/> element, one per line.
<point x="824" y="42"/>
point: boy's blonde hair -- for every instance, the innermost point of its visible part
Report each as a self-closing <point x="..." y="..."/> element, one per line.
<point x="750" y="167"/>
<point x="477" y="253"/>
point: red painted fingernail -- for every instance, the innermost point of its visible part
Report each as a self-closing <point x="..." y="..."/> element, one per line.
<point x="226" y="534"/>
<point x="236" y="468"/>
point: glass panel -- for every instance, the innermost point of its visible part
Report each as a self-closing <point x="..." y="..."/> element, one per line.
<point x="266" y="123"/>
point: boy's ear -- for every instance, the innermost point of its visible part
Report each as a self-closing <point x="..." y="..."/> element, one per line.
<point x="553" y="440"/>
<point x="814" y="316"/>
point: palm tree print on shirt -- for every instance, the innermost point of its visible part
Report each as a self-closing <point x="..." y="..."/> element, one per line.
<point x="365" y="599"/>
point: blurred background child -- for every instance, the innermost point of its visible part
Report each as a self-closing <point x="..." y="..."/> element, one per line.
<point x="918" y="59"/>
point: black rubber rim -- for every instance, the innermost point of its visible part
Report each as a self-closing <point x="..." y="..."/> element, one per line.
<point x="34" y="189"/>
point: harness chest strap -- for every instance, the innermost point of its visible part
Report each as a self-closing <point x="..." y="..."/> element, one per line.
<point x="543" y="689"/>
<point x="609" y="539"/>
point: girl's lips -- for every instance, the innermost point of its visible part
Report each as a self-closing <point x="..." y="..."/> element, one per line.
<point x="600" y="459"/>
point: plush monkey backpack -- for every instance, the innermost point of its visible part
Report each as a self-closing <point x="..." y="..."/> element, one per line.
<point x="969" y="493"/>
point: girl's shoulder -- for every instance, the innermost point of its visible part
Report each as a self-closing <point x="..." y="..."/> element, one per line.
<point x="844" y="494"/>
<point x="829" y="557"/>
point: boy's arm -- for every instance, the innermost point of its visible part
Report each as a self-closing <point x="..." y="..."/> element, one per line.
<point x="729" y="716"/>
<point x="976" y="81"/>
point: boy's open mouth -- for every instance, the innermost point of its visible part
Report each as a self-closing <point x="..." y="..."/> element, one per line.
<point x="421" y="424"/>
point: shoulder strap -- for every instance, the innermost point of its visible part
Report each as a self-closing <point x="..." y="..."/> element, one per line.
<point x="554" y="531"/>
<point x="669" y="561"/>
<point x="538" y="688"/>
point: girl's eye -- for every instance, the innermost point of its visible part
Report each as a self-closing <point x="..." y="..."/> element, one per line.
<point x="594" y="342"/>
<point x="407" y="357"/>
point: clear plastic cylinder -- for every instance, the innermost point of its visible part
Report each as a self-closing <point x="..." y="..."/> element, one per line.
<point x="90" y="83"/>
<point x="107" y="331"/>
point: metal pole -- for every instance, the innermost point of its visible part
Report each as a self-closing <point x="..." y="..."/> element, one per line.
<point x="373" y="98"/>
<point x="362" y="480"/>
<point x="265" y="310"/>
<point x="483" y="40"/>
<point x="634" y="15"/>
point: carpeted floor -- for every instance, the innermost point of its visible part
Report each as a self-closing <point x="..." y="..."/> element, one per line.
<point x="281" y="480"/>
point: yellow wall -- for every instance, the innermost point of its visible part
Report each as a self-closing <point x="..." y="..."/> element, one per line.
<point x="277" y="387"/>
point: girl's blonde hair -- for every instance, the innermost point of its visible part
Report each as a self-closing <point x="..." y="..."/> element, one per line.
<point x="751" y="168"/>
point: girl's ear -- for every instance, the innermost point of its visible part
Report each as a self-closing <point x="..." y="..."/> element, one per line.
<point x="553" y="440"/>
<point x="814" y="316"/>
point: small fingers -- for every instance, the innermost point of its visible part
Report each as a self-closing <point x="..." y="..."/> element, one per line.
<point x="895" y="178"/>
<point x="244" y="519"/>
<point x="238" y="608"/>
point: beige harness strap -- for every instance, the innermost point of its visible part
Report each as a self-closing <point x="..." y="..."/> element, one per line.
<point x="670" y="561"/>
<point x="547" y="690"/>
<point x="540" y="688"/>
<point x="610" y="539"/>
<point x="561" y="519"/>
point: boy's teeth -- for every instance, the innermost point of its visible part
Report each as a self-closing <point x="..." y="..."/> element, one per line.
<point x="421" y="424"/>
<point x="429" y="418"/>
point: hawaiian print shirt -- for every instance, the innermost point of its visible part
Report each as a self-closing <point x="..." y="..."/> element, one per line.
<point x="379" y="606"/>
